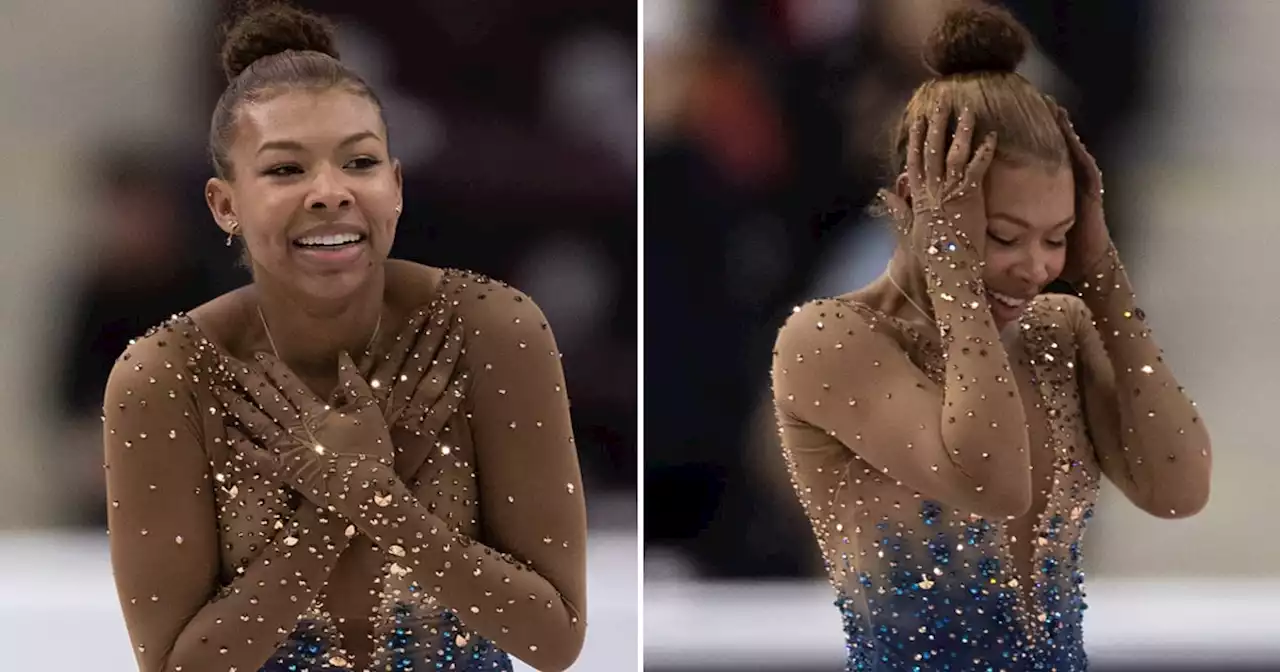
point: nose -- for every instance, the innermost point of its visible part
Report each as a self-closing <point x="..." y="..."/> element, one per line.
<point x="328" y="191"/>
<point x="1034" y="270"/>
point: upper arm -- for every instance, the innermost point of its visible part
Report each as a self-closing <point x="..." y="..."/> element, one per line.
<point x="532" y="503"/>
<point x="832" y="370"/>
<point x="161" y="513"/>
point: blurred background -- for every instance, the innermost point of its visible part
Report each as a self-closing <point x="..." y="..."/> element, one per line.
<point x="765" y="127"/>
<point x="517" y="126"/>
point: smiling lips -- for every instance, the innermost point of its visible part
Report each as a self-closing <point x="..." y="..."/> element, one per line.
<point x="330" y="236"/>
<point x="329" y="241"/>
<point x="332" y="246"/>
<point x="1006" y="300"/>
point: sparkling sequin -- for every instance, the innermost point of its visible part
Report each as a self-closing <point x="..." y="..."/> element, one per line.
<point x="384" y="576"/>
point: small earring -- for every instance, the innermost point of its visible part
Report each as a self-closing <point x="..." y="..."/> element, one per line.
<point x="231" y="233"/>
<point x="398" y="208"/>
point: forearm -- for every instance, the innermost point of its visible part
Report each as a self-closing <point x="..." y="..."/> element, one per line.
<point x="983" y="421"/>
<point x="251" y="617"/>
<point x="1163" y="443"/>
<point x="493" y="593"/>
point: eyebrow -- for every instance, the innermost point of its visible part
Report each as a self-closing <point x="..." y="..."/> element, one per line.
<point x="297" y="146"/>
<point x="1024" y="223"/>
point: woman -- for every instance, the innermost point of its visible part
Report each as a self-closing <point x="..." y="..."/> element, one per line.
<point x="947" y="426"/>
<point x="273" y="504"/>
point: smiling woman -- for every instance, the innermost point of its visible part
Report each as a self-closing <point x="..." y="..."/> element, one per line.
<point x="947" y="427"/>
<point x="291" y="485"/>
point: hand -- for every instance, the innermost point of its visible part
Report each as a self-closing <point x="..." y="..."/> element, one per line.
<point x="1088" y="242"/>
<point x="947" y="217"/>
<point x="414" y="383"/>
<point x="299" y="438"/>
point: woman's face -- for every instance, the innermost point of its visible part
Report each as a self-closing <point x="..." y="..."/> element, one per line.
<point x="315" y="191"/>
<point x="1029" y="211"/>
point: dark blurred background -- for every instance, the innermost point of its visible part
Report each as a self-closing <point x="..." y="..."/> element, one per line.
<point x="516" y="123"/>
<point x="766" y="128"/>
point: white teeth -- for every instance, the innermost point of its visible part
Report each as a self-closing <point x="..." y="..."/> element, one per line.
<point x="339" y="239"/>
<point x="1006" y="299"/>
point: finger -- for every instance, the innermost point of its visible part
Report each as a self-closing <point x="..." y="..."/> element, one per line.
<point x="247" y="377"/>
<point x="1079" y="154"/>
<point x="1069" y="134"/>
<point x="960" y="150"/>
<point x="435" y="353"/>
<point x="432" y="416"/>
<point x="915" y="157"/>
<point x="388" y="368"/>
<point x="368" y="362"/>
<point x="404" y="341"/>
<point x="247" y="414"/>
<point x="440" y="371"/>
<point x="249" y="455"/>
<point x="282" y="383"/>
<point x="977" y="170"/>
<point x="353" y="388"/>
<point x="935" y="146"/>
<point x="429" y="421"/>
<point x="262" y="391"/>
<point x="244" y="452"/>
<point x="245" y="449"/>
<point x="895" y="207"/>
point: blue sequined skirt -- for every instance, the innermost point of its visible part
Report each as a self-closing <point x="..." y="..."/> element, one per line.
<point x="953" y="631"/>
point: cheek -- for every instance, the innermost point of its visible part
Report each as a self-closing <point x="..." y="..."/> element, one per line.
<point x="380" y="208"/>
<point x="1056" y="260"/>
<point x="998" y="259"/>
<point x="269" y="218"/>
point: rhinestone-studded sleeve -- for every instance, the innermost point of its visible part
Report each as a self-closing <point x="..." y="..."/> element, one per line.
<point x="523" y="583"/>
<point x="963" y="443"/>
<point x="1150" y="440"/>
<point x="163" y="523"/>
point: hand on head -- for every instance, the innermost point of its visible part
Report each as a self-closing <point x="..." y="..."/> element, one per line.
<point x="944" y="184"/>
<point x="1089" y="242"/>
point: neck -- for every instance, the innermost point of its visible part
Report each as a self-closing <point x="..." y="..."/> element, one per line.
<point x="308" y="333"/>
<point x="905" y="271"/>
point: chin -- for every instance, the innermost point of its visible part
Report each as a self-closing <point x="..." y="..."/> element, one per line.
<point x="325" y="285"/>
<point x="339" y="284"/>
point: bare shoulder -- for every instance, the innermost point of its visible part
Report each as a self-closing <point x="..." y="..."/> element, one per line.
<point x="499" y="322"/>
<point x="222" y="321"/>
<point x="837" y="323"/>
<point x="411" y="285"/>
<point x="485" y="301"/>
<point x="475" y="297"/>
<point x="164" y="358"/>
<point x="182" y="350"/>
<point x="832" y="342"/>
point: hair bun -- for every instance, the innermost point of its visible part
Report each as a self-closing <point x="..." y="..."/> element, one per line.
<point x="272" y="27"/>
<point x="985" y="39"/>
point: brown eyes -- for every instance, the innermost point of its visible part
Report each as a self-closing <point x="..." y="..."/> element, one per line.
<point x="282" y="171"/>
<point x="290" y="169"/>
